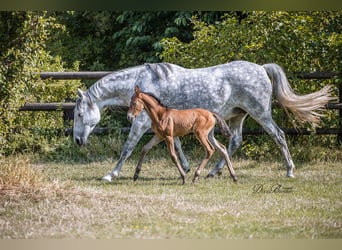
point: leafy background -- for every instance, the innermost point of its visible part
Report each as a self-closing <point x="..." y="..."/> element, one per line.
<point x="89" y="40"/>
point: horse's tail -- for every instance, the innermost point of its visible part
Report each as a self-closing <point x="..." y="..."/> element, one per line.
<point x="222" y="125"/>
<point x="304" y="107"/>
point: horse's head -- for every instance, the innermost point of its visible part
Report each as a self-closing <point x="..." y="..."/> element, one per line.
<point x="86" y="116"/>
<point x="136" y="105"/>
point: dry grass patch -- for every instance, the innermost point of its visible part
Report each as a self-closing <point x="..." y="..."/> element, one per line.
<point x="19" y="177"/>
<point x="158" y="206"/>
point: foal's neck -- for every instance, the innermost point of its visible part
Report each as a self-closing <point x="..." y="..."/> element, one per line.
<point x="153" y="108"/>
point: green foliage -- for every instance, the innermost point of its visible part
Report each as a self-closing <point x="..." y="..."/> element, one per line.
<point x="23" y="54"/>
<point x="107" y="40"/>
<point x="298" y="41"/>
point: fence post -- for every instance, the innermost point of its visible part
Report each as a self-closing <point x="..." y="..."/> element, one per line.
<point x="68" y="114"/>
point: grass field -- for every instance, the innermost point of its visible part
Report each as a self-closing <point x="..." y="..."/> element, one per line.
<point x="68" y="200"/>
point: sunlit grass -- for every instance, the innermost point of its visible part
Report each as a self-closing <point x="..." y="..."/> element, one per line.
<point x="158" y="206"/>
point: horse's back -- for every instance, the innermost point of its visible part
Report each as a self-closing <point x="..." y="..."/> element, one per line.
<point x="219" y="88"/>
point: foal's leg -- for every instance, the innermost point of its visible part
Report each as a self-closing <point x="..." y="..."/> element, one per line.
<point x="203" y="139"/>
<point x="223" y="152"/>
<point x="170" y="145"/>
<point x="184" y="162"/>
<point x="235" y="125"/>
<point x="139" y="126"/>
<point x="154" y="141"/>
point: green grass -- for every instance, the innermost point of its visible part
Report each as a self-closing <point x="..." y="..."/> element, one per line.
<point x="72" y="202"/>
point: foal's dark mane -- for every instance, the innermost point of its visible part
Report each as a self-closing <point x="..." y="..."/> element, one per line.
<point x="157" y="99"/>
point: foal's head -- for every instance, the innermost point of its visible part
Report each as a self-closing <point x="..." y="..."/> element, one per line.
<point x="136" y="105"/>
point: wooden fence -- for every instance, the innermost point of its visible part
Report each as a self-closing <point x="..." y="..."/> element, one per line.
<point x="67" y="107"/>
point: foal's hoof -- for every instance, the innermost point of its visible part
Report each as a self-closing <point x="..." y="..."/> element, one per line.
<point x="107" y="178"/>
<point x="135" y="177"/>
<point x="290" y="175"/>
<point x="235" y="178"/>
<point x="195" y="179"/>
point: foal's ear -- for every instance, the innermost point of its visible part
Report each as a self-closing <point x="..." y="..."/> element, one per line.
<point x="137" y="90"/>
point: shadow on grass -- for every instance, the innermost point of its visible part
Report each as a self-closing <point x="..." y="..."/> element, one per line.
<point x="124" y="180"/>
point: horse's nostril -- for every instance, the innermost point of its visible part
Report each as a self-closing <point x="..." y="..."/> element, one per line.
<point x="78" y="141"/>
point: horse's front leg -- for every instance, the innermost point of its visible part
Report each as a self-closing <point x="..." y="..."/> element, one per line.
<point x="139" y="126"/>
<point x="154" y="141"/>
<point x="184" y="162"/>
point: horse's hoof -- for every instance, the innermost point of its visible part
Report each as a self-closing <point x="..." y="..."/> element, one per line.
<point x="107" y="178"/>
<point x="135" y="177"/>
<point x="290" y="175"/>
<point x="210" y="175"/>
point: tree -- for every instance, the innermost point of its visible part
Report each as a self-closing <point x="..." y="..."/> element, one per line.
<point x="23" y="52"/>
<point x="108" y="40"/>
<point x="298" y="41"/>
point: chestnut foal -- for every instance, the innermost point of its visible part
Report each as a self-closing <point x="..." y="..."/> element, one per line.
<point x="169" y="123"/>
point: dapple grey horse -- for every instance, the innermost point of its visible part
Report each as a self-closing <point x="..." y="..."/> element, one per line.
<point x="232" y="90"/>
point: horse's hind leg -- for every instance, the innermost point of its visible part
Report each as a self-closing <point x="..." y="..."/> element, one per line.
<point x="279" y="137"/>
<point x="154" y="141"/>
<point x="224" y="154"/>
<point x="171" y="147"/>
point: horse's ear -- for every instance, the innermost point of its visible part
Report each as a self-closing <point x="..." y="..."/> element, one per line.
<point x="137" y="90"/>
<point x="80" y="93"/>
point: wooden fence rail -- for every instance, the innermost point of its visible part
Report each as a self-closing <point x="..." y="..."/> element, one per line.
<point x="68" y="107"/>
<point x="99" y="74"/>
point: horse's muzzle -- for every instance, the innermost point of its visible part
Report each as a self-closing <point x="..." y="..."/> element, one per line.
<point x="79" y="141"/>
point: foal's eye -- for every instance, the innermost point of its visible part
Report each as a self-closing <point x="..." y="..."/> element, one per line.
<point x="80" y="115"/>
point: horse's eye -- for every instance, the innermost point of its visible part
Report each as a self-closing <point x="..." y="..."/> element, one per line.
<point x="80" y="115"/>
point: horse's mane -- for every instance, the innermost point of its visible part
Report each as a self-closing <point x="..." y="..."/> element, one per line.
<point x="161" y="70"/>
<point x="104" y="86"/>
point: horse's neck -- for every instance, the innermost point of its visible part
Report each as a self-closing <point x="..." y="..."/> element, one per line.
<point x="122" y="100"/>
<point x="110" y="92"/>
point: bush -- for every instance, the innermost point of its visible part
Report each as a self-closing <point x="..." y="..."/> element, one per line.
<point x="26" y="34"/>
<point x="298" y="41"/>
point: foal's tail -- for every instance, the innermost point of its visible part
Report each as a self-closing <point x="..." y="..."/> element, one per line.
<point x="222" y="125"/>
<point x="305" y="107"/>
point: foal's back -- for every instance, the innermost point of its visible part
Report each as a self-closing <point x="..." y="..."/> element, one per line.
<point x="190" y="120"/>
